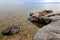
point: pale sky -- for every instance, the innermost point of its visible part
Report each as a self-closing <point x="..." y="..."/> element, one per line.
<point x="21" y="1"/>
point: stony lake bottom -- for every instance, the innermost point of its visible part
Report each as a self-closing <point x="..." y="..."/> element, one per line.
<point x="18" y="14"/>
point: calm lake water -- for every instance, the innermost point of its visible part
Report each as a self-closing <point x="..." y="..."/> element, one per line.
<point x="26" y="8"/>
<point x="18" y="13"/>
<point x="29" y="6"/>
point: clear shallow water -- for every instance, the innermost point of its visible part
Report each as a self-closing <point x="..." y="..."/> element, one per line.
<point x="26" y="8"/>
<point x="23" y="9"/>
<point x="15" y="13"/>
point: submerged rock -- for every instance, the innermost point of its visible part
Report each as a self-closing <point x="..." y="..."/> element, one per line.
<point x="11" y="30"/>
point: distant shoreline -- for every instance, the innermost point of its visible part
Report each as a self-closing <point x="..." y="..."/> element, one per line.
<point x="44" y="2"/>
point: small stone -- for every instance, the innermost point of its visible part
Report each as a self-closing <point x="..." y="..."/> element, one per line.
<point x="11" y="30"/>
<point x="6" y="31"/>
<point x="14" y="29"/>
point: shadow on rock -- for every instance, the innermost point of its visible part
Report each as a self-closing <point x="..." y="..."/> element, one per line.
<point x="37" y="23"/>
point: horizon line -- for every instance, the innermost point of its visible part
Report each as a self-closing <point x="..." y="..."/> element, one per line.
<point x="45" y="2"/>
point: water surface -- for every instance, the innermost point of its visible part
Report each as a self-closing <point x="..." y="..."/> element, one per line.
<point x="18" y="13"/>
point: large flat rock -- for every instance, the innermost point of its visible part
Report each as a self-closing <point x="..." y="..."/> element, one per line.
<point x="49" y="32"/>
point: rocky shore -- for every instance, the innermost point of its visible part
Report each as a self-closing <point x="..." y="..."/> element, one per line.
<point x="51" y="31"/>
<point x="20" y="28"/>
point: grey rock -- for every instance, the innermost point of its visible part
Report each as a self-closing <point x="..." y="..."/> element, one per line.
<point x="11" y="30"/>
<point x="37" y="15"/>
<point x="49" y="32"/>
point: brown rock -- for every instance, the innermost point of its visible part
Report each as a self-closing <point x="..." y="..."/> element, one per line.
<point x="38" y="15"/>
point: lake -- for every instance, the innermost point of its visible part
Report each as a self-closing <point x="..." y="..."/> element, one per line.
<point x="18" y="14"/>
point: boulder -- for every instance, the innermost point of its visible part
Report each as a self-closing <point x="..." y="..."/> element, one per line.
<point x="11" y="30"/>
<point x="37" y="15"/>
<point x="50" y="31"/>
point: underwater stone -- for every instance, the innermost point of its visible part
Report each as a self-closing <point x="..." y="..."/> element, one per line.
<point x="11" y="30"/>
